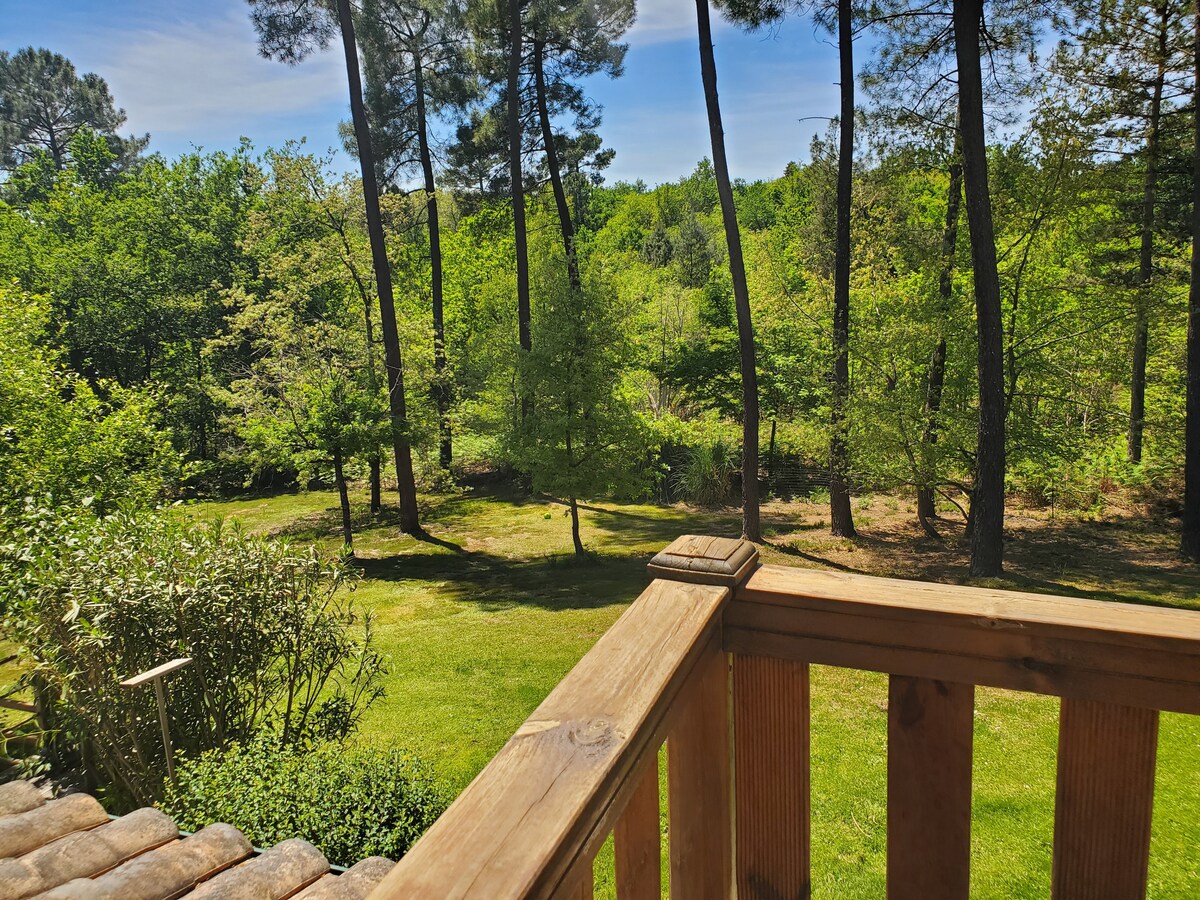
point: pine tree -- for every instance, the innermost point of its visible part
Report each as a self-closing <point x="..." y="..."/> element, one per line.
<point x="44" y="104"/>
<point x="751" y="520"/>
<point x="416" y="68"/>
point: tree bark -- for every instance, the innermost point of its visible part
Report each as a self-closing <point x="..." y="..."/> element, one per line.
<point x="339" y="476"/>
<point x="410" y="522"/>
<point x="441" y="390"/>
<point x="575" y="537"/>
<point x="1141" y="326"/>
<point x="751" y="524"/>
<point x="516" y="176"/>
<point x="1190" y="544"/>
<point x="566" y="226"/>
<point x="987" y="500"/>
<point x="936" y="381"/>
<point x="376" y="487"/>
<point x="364" y="294"/>
<point x="841" y="519"/>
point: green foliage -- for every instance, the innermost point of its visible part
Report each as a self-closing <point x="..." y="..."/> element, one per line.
<point x="349" y="803"/>
<point x="706" y="479"/>
<point x="276" y="643"/>
<point x="582" y="436"/>
<point x="64" y="438"/>
<point x="312" y="388"/>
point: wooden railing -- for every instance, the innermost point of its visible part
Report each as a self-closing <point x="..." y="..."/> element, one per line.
<point x="713" y="657"/>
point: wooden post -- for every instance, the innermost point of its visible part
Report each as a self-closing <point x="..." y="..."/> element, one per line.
<point x="156" y="675"/>
<point x="1106" y="759"/>
<point x="699" y="778"/>
<point x="706" y="560"/>
<point x="580" y="884"/>
<point x="930" y="726"/>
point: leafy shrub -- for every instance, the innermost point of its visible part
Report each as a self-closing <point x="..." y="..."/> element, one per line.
<point x="275" y="641"/>
<point x="706" y="477"/>
<point x="349" y="803"/>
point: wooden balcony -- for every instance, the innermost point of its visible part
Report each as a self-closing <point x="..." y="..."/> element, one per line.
<point x="713" y="659"/>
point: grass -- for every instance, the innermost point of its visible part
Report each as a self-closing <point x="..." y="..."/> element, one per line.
<point x="480" y="623"/>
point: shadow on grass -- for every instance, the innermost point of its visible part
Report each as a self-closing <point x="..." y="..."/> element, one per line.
<point x="823" y="561"/>
<point x="1126" y="560"/>
<point x="497" y="583"/>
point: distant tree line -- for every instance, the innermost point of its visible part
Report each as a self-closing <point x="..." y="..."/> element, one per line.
<point x="279" y="321"/>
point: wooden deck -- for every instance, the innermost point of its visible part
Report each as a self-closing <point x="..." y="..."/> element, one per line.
<point x="713" y="658"/>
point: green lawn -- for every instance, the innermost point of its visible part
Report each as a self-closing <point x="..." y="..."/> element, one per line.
<point x="481" y="623"/>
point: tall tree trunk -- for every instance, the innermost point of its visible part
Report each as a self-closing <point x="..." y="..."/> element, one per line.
<point x="364" y="295"/>
<point x="1190" y="544"/>
<point x="936" y="381"/>
<point x="339" y="476"/>
<point x="1141" y="325"/>
<point x="410" y="521"/>
<point x="841" y="519"/>
<point x="575" y="537"/>
<point x="751" y="524"/>
<point x="441" y="390"/>
<point x="987" y="499"/>
<point x="566" y="226"/>
<point x="516" y="176"/>
<point x="376" y="486"/>
<point x="203" y="395"/>
<point x="57" y="151"/>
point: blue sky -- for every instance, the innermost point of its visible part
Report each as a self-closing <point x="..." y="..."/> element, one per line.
<point x="189" y="73"/>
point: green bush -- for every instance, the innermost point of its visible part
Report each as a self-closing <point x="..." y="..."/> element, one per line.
<point x="275" y="642"/>
<point x="706" y="478"/>
<point x="349" y="803"/>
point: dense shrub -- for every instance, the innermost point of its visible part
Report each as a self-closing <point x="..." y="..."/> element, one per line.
<point x="349" y="803"/>
<point x="707" y="476"/>
<point x="275" y="641"/>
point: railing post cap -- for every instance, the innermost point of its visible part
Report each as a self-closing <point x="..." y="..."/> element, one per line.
<point x="706" y="560"/>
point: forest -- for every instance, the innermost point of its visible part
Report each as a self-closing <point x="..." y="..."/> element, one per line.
<point x="411" y="370"/>
<point x="915" y="306"/>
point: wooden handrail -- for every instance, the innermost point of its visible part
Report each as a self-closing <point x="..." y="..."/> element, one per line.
<point x="1115" y="666"/>
<point x="1087" y="649"/>
<point x="533" y="819"/>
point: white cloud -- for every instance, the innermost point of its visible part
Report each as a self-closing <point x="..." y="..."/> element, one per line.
<point x="663" y="21"/>
<point x="187" y="77"/>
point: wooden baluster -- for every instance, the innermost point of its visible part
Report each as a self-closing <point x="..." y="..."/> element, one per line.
<point x="771" y="771"/>
<point x="1106" y="758"/>
<point x="929" y="788"/>
<point x="637" y="841"/>
<point x="698" y="788"/>
<point x="579" y="884"/>
<point x="586" y="887"/>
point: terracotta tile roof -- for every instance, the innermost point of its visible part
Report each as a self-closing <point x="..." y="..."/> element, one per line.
<point x="69" y="849"/>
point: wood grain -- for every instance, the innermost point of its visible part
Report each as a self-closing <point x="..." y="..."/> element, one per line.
<point x="1106" y="759"/>
<point x="929" y="789"/>
<point x="1133" y="655"/>
<point x="157" y="672"/>
<point x="554" y="791"/>
<point x="771" y="766"/>
<point x="637" y="841"/>
<point x="700" y="836"/>
<point x="580" y="884"/>
<point x="705" y="560"/>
